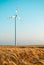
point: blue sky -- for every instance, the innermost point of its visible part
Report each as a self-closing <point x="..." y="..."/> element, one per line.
<point x="30" y="29"/>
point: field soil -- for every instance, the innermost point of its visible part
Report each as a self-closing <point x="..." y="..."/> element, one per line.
<point x="21" y="55"/>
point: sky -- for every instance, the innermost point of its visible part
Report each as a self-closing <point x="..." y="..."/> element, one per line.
<point x="30" y="26"/>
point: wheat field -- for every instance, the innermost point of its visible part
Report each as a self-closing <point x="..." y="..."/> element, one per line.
<point x="21" y="55"/>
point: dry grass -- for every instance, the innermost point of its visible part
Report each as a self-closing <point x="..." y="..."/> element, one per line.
<point x="22" y="55"/>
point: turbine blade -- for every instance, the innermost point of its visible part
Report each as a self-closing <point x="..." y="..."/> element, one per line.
<point x="11" y="16"/>
<point x="16" y="10"/>
<point x="20" y="19"/>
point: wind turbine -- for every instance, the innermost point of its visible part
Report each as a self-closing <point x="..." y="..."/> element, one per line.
<point x="15" y="17"/>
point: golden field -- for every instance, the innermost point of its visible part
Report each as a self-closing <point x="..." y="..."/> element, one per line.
<point x="21" y="55"/>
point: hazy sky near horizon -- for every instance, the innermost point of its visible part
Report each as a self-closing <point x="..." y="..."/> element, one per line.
<point x="30" y="29"/>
